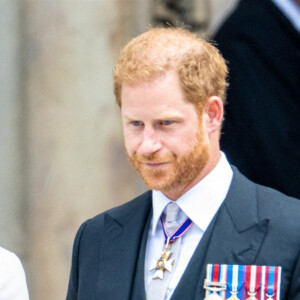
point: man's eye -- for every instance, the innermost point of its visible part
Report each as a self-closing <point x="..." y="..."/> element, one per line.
<point x="136" y="123"/>
<point x="167" y="122"/>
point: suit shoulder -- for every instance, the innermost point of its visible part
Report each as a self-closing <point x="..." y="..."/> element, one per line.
<point x="129" y="208"/>
<point x="283" y="213"/>
<point x="93" y="229"/>
<point x="278" y="203"/>
<point x="281" y="210"/>
<point x="268" y="198"/>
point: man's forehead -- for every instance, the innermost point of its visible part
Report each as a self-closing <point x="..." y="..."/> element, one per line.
<point x="160" y="98"/>
<point x="150" y="79"/>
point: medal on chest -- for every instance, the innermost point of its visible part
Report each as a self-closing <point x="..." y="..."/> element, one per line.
<point x="166" y="261"/>
<point x="215" y="282"/>
<point x="233" y="296"/>
<point x="272" y="277"/>
<point x="252" y="282"/>
<point x="234" y="281"/>
<point x="242" y="282"/>
<point x="163" y="264"/>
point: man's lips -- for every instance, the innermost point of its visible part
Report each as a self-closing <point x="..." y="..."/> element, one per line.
<point x="154" y="164"/>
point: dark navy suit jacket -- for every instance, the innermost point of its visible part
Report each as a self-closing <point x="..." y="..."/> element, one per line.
<point x="254" y="225"/>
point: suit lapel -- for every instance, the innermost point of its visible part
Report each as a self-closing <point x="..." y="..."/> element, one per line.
<point x="233" y="237"/>
<point x="122" y="237"/>
<point x="238" y="232"/>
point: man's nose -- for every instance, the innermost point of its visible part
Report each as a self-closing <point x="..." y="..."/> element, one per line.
<point x="150" y="143"/>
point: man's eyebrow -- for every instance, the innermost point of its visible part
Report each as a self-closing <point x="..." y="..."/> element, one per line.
<point x="165" y="116"/>
<point x="128" y="117"/>
<point x="174" y="115"/>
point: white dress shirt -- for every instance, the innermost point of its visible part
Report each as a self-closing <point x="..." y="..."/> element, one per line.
<point x="291" y="10"/>
<point x="12" y="277"/>
<point x="200" y="204"/>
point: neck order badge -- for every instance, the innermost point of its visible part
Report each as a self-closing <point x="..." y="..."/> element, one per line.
<point x="164" y="263"/>
<point x="240" y="282"/>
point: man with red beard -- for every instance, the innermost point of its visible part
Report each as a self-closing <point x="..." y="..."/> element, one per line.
<point x="200" y="213"/>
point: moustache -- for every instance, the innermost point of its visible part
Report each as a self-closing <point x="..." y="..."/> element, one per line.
<point x="154" y="158"/>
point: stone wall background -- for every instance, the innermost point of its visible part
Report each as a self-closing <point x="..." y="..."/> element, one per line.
<point x="61" y="147"/>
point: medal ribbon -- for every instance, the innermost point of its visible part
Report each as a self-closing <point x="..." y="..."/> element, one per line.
<point x="180" y="231"/>
<point x="235" y="280"/>
<point x="223" y="279"/>
<point x="216" y="273"/>
<point x="278" y="282"/>
<point x="243" y="282"/>
<point x="253" y="277"/>
<point x="272" y="282"/>
<point x="216" y="277"/>
<point x="212" y="275"/>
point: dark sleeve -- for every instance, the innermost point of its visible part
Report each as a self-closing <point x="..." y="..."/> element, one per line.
<point x="72" y="293"/>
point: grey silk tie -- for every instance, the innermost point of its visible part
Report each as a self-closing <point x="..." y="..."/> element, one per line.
<point x="158" y="287"/>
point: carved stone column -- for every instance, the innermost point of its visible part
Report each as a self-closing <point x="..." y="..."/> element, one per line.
<point x="76" y="163"/>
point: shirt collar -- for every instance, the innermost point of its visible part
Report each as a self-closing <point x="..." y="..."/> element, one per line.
<point x="202" y="201"/>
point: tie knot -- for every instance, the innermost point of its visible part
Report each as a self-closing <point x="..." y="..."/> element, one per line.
<point x="171" y="223"/>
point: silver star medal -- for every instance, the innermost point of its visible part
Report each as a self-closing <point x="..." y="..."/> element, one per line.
<point x="252" y="296"/>
<point x="213" y="296"/>
<point x="162" y="264"/>
<point x="270" y="297"/>
<point x="215" y="288"/>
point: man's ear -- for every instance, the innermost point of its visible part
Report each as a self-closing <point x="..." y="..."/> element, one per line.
<point x="213" y="113"/>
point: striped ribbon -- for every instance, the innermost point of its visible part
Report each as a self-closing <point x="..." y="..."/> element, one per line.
<point x="235" y="281"/>
<point x="243" y="282"/>
<point x="180" y="231"/>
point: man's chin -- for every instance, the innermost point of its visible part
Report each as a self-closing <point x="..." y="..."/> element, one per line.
<point x="159" y="183"/>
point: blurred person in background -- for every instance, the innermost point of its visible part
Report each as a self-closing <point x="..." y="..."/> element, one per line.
<point x="261" y="132"/>
<point x="13" y="284"/>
